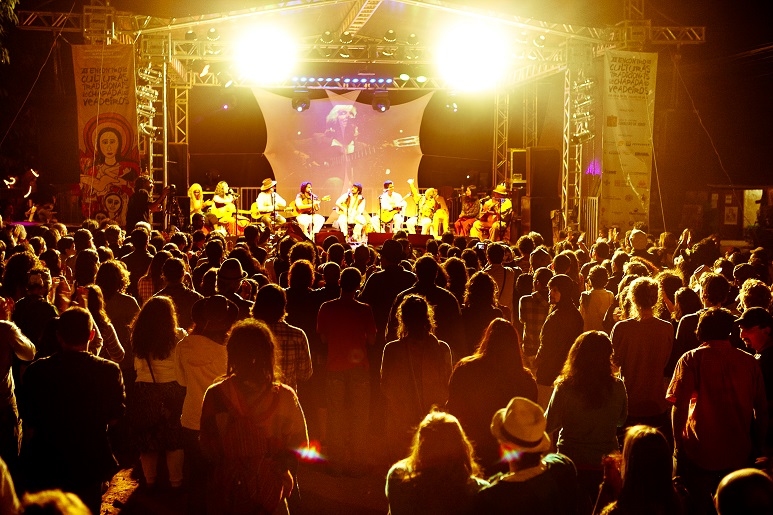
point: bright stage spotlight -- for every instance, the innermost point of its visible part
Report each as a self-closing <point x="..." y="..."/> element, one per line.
<point x="476" y="61"/>
<point x="380" y="101"/>
<point x="213" y="34"/>
<point x="266" y="55"/>
<point x="301" y="101"/>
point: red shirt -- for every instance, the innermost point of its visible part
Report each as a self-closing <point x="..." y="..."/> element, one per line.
<point x="346" y="325"/>
<point x="724" y="387"/>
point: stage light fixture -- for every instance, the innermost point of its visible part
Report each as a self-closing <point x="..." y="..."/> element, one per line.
<point x="539" y="41"/>
<point x="346" y="38"/>
<point x="149" y="75"/>
<point x="213" y="34"/>
<point x="404" y="76"/>
<point x="200" y="67"/>
<point x="147" y="93"/>
<point x="146" y="110"/>
<point x="380" y="101"/>
<point x="390" y="36"/>
<point x="344" y="52"/>
<point x="190" y="35"/>
<point x="301" y="101"/>
<point x="326" y="38"/>
<point x="148" y="129"/>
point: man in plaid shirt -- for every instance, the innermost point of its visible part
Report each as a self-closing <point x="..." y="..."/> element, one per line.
<point x="291" y="341"/>
<point x="532" y="311"/>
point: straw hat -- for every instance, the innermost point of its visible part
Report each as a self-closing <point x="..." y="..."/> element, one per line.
<point x="267" y="184"/>
<point x="521" y="425"/>
<point x="500" y="190"/>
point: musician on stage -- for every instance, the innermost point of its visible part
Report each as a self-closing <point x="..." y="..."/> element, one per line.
<point x="431" y="211"/>
<point x="494" y="216"/>
<point x="267" y="206"/>
<point x="223" y="209"/>
<point x="307" y="206"/>
<point x="351" y="209"/>
<point x="470" y="212"/>
<point x="391" y="205"/>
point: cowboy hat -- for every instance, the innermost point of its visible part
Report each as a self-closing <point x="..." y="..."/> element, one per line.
<point x="267" y="184"/>
<point x="521" y="426"/>
<point x="500" y="190"/>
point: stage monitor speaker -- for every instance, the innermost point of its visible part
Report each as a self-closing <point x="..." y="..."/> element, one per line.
<point x="536" y="216"/>
<point x="376" y="239"/>
<point x="321" y="236"/>
<point x="177" y="168"/>
<point x="543" y="172"/>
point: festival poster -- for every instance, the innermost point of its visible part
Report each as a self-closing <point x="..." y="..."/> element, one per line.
<point x="629" y="109"/>
<point x="107" y="124"/>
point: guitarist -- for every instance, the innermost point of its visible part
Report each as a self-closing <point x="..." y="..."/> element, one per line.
<point x="391" y="205"/>
<point x="268" y="204"/>
<point x="494" y="216"/>
<point x="307" y="206"/>
<point x="351" y="209"/>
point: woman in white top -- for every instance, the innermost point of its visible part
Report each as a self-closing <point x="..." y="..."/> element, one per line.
<point x="200" y="359"/>
<point x="158" y="399"/>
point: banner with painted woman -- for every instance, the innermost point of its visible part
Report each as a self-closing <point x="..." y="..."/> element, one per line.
<point x="107" y="123"/>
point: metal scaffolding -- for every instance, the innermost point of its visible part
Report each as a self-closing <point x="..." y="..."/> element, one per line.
<point x="161" y="42"/>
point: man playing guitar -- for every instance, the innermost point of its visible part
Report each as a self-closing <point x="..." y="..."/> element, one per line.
<point x="391" y="204"/>
<point x="268" y="204"/>
<point x="307" y="206"/>
<point x="351" y="209"/>
<point x="494" y="216"/>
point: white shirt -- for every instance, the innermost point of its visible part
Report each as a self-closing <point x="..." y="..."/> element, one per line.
<point x="267" y="201"/>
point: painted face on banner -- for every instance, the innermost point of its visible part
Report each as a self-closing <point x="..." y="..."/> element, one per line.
<point x="108" y="145"/>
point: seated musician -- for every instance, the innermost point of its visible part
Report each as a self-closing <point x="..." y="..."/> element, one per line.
<point x="391" y="204"/>
<point x="223" y="208"/>
<point x="268" y="204"/>
<point x="307" y="206"/>
<point x="196" y="196"/>
<point x="470" y="212"/>
<point x="351" y="209"/>
<point x="431" y="211"/>
<point x="494" y="216"/>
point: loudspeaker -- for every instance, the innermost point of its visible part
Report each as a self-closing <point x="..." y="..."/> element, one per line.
<point x="177" y="167"/>
<point x="322" y="235"/>
<point x="536" y="216"/>
<point x="543" y="172"/>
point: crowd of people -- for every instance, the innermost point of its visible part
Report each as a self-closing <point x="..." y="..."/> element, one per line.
<point x="626" y="375"/>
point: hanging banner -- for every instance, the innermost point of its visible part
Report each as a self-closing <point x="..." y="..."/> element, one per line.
<point x="107" y="123"/>
<point x="629" y="109"/>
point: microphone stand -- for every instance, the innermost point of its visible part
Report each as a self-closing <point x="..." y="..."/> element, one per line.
<point x="312" y="218"/>
<point x="380" y="210"/>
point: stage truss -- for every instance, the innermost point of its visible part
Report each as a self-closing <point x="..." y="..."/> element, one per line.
<point x="161" y="43"/>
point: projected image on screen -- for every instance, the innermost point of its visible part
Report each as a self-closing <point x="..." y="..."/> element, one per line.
<point x="338" y="142"/>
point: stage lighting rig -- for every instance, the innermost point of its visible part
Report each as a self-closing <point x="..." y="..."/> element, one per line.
<point x="380" y="101"/>
<point x="301" y="101"/>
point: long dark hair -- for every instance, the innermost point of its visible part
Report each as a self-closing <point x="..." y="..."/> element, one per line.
<point x="440" y="463"/>
<point x="588" y="368"/>
<point x="501" y="347"/>
<point x="647" y="473"/>
<point x="154" y="330"/>
<point x="567" y="288"/>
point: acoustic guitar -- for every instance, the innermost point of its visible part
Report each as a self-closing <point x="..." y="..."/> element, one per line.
<point x="295" y="211"/>
<point x="387" y="215"/>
